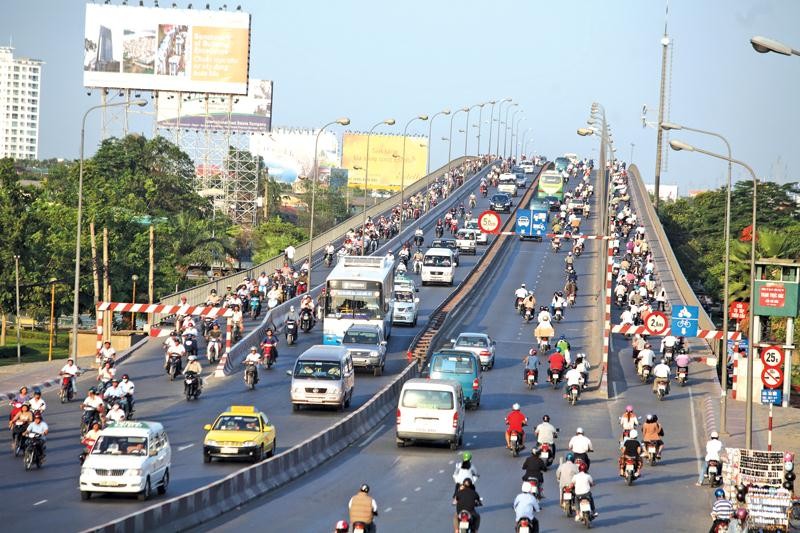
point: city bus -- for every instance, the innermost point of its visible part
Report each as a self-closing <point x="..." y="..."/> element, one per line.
<point x="550" y="184"/>
<point x="358" y="291"/>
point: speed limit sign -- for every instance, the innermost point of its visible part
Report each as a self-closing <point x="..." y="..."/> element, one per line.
<point x="772" y="356"/>
<point x="489" y="222"/>
<point x="656" y="323"/>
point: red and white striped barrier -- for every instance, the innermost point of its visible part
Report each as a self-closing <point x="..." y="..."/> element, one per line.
<point x="706" y="334"/>
<point x="165" y="309"/>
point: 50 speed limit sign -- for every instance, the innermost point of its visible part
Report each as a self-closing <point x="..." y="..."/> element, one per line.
<point x="772" y="356"/>
<point x="489" y="222"/>
<point x="656" y="323"/>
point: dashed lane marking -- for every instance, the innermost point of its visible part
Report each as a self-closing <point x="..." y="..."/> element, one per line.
<point x="373" y="436"/>
<point x="40" y="502"/>
<point x="186" y="447"/>
<point x="441" y="471"/>
<point x="430" y="480"/>
<point x="404" y="498"/>
<point x="417" y="489"/>
<point x="387" y="509"/>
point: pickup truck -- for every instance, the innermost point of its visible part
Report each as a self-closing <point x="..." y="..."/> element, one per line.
<point x="466" y="241"/>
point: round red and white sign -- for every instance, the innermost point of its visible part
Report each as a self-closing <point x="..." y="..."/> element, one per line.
<point x="772" y="356"/>
<point x="772" y="378"/>
<point x="489" y="222"/>
<point x="656" y="323"/>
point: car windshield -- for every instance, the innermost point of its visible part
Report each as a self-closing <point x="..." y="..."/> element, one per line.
<point x="318" y="370"/>
<point x="120" y="445"/>
<point x="477" y="342"/>
<point x="471" y="224"/>
<point x="404" y="297"/>
<point x="427" y="399"/>
<point x="499" y="198"/>
<point x="236" y="423"/>
<point x="436" y="261"/>
<point x="360" y="337"/>
<point x="453" y="364"/>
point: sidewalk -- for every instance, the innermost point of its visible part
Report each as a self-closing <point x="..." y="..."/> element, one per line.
<point x="44" y="374"/>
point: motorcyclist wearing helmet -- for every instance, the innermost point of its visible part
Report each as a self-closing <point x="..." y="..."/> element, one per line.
<point x="557" y="362"/>
<point x="363" y="508"/>
<point x="530" y="362"/>
<point x="647" y="357"/>
<point x="464" y="469"/>
<point x="628" y="421"/>
<point x="652" y="431"/>
<point x="534" y="468"/>
<point x="566" y="471"/>
<point x="583" y="483"/>
<point x="520" y="294"/>
<point x="713" y="448"/>
<point x="341" y="527"/>
<point x="515" y="420"/>
<point x="661" y="374"/>
<point x="467" y="499"/>
<point x="739" y="523"/>
<point x="721" y="510"/>
<point x="563" y="345"/>
<point x="632" y="449"/>
<point x="526" y="506"/>
<point x="37" y="403"/>
<point x="546" y="433"/>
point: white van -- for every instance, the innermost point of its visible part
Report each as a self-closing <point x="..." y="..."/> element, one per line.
<point x="438" y="266"/>
<point x="466" y="240"/>
<point x="431" y="410"/>
<point x="507" y="184"/>
<point x="323" y="375"/>
<point x="131" y="457"/>
<point x="480" y="237"/>
<point x="406" y="306"/>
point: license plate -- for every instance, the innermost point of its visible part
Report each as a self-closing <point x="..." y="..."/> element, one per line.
<point x="463" y="525"/>
<point x="228" y="450"/>
<point x="662" y="387"/>
<point x="585" y="506"/>
<point x="544" y="455"/>
<point x="651" y="449"/>
<point x="629" y="468"/>
<point x="358" y="530"/>
<point x="426" y="424"/>
<point x="566" y="496"/>
<point x="712" y="470"/>
<point x="108" y="483"/>
<point x="555" y="376"/>
<point x="524" y="529"/>
<point x="682" y="375"/>
<point x="531" y="378"/>
<point x="513" y="438"/>
<point x="188" y="381"/>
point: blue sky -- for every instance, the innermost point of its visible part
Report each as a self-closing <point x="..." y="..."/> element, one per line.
<point x="372" y="60"/>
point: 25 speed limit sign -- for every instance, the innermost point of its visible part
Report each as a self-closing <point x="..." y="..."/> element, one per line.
<point x="772" y="356"/>
<point x="656" y="323"/>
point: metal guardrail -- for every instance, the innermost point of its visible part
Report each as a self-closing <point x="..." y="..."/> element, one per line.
<point x="681" y="283"/>
<point x="199" y="293"/>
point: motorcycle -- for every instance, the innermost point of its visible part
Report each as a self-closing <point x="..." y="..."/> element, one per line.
<point x="302" y="287"/>
<point x="87" y="444"/>
<point x="190" y="344"/>
<point x="191" y="386"/>
<point x="531" y="376"/>
<point x="571" y="299"/>
<point x="559" y="315"/>
<point x="585" y="510"/>
<point x="661" y="390"/>
<point x="555" y="378"/>
<point x="669" y="354"/>
<point x="251" y="376"/>
<point x="418" y="240"/>
<point x="213" y="350"/>
<point x="645" y="374"/>
<point x="90" y="416"/>
<point x="465" y="519"/>
<point x="484" y="191"/>
<point x="620" y="301"/>
<point x="328" y="259"/>
<point x="518" y="304"/>
<point x="417" y="266"/>
<point x="566" y="500"/>
<point x="528" y="314"/>
<point x="359" y="527"/>
<point x="683" y="374"/>
<point x="573" y="394"/>
<point x="306" y="322"/>
<point x="714" y="473"/>
<point x="555" y="246"/>
<point x="629" y="470"/>
<point x="651" y="449"/>
<point x="545" y="455"/>
<point x="291" y="331"/>
<point x="237" y="332"/>
<point x="66" y="393"/>
<point x="34" y="452"/>
<point x="527" y="524"/>
<point x="439" y="231"/>
<point x="270" y="354"/>
<point x="18" y="438"/>
<point x="255" y="307"/>
<point x="516" y="443"/>
<point x="174" y="366"/>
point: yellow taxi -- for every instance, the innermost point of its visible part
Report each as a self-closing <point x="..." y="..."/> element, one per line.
<point x="240" y="432"/>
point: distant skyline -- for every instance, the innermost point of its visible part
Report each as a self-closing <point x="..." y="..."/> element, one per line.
<point x="373" y="61"/>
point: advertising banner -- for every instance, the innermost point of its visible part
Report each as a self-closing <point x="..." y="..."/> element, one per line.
<point x="149" y="48"/>
<point x="241" y="114"/>
<point x="385" y="160"/>
<point x="289" y="153"/>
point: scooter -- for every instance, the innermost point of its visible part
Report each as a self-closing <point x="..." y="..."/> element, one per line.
<point x="174" y="366"/>
<point x="567" y="500"/>
<point x="555" y="378"/>
<point x="652" y="455"/>
<point x="661" y="390"/>
<point x="571" y="299"/>
<point x="251" y="376"/>
<point x="585" y="510"/>
<point x="291" y="331"/>
<point x="714" y="473"/>
<point x="213" y="350"/>
<point x="531" y="377"/>
<point x="573" y="394"/>
<point x="34" y="452"/>
<point x="555" y="246"/>
<point x="66" y="393"/>
<point x="439" y="231"/>
<point x="527" y="524"/>
<point x="465" y="519"/>
<point x="18" y="438"/>
<point x="516" y="443"/>
<point x="306" y="322"/>
<point x="545" y="455"/>
<point x="683" y="375"/>
<point x="269" y="353"/>
<point x="629" y="470"/>
<point x="559" y="314"/>
<point x="328" y="259"/>
<point x="645" y="374"/>
<point x="87" y="444"/>
<point x="255" y="307"/>
<point x="417" y="266"/>
<point x="528" y="314"/>
<point x="191" y="386"/>
<point x="190" y="344"/>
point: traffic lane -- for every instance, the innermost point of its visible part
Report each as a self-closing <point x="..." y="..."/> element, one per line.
<point x="156" y="396"/>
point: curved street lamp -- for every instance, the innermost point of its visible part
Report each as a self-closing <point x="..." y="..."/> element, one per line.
<point x="403" y="171"/>
<point x="764" y="45"/>
<point x="388" y="122"/>
<point x="450" y="144"/>
<point x="499" y="110"/>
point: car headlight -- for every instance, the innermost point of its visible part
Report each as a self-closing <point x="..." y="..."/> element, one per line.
<point x="134" y="472"/>
<point x="211" y="443"/>
<point x="86" y="471"/>
<point x="373" y="353"/>
<point x="333" y="390"/>
<point x="249" y="443"/>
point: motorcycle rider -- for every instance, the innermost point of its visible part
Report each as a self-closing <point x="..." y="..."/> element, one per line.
<point x="563" y="345"/>
<point x="254" y="358"/>
<point x="683" y="360"/>
<point x="566" y="471"/>
<point x="417" y="259"/>
<point x="583" y="366"/>
<point x="526" y="506"/>
<point x="669" y="342"/>
<point x="721" y="510"/>
<point x="128" y="388"/>
<point x="661" y="374"/>
<point x="534" y="468"/>
<point x="107" y="353"/>
<point x="464" y="469"/>
<point x="546" y="433"/>
<point x="194" y="366"/>
<point x="574" y="377"/>
<point x="646" y="358"/>
<point x="580" y="446"/>
<point x="544" y="316"/>
<point x="38" y="427"/>
<point x="558" y="303"/>
<point x="215" y="336"/>
<point x="175" y="349"/>
<point x="569" y="261"/>
<point x="20" y="421"/>
<point x="515" y="420"/>
<point x="363" y="508"/>
<point x="116" y="413"/>
<point x="37" y="404"/>
<point x="653" y="432"/>
<point x="557" y="362"/>
<point x="713" y="448"/>
<point x="520" y="294"/>
<point x="629" y="421"/>
<point x="105" y="374"/>
<point x="93" y="402"/>
<point x="114" y="393"/>
<point x="531" y="362"/>
<point x="69" y="369"/>
<point x="272" y="340"/>
<point x="583" y="483"/>
<point x="632" y="449"/>
<point x="467" y="499"/>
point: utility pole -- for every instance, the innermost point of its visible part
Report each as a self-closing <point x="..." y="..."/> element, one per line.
<point x="659" y="131"/>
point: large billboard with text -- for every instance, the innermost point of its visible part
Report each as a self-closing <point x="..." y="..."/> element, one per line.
<point x="149" y="48"/>
<point x="240" y="114"/>
<point x="289" y="153"/>
<point x="385" y="160"/>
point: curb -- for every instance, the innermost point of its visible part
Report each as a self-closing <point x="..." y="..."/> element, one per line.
<point x="53" y="383"/>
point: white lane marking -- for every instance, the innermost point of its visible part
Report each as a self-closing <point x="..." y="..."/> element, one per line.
<point x="39" y="502"/>
<point x="387" y="509"/>
<point x="614" y="385"/>
<point x="372" y="437"/>
<point x="696" y="443"/>
<point x="451" y="462"/>
<point x="417" y="489"/>
<point x="404" y="498"/>
<point x="474" y="436"/>
<point x="430" y="480"/>
<point x="186" y="447"/>
<point x="441" y="471"/>
<point x="469" y="444"/>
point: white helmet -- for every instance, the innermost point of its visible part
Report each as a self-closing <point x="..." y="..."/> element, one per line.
<point x="714" y="435"/>
<point x="527" y="487"/>
<point x="291" y="309"/>
<point x="515" y="407"/>
<point x="192" y="358"/>
<point x="633" y="434"/>
<point x="579" y="431"/>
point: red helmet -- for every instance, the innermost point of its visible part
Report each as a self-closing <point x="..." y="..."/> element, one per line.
<point x="741" y="514"/>
<point x="583" y="467"/>
<point x="342" y="525"/>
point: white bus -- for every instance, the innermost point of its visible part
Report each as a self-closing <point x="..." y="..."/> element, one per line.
<point x="359" y="291"/>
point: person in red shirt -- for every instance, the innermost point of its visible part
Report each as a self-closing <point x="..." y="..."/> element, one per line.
<point x="557" y="362"/>
<point x="515" y="420"/>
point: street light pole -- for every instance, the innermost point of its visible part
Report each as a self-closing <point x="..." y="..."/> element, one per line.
<point x="450" y="139"/>
<point x="388" y="122"/>
<point x="480" y="117"/>
<point x="19" y="346"/>
<point x="723" y="428"/>
<point x="403" y="171"/>
<point x="52" y="317"/>
<point x="134" y="279"/>
<point x="748" y="423"/>
<point x="499" y="110"/>
<point x="344" y="122"/>
<point x="430" y="142"/>
<point x="525" y="134"/>
<point x="515" y="132"/>
<point x="466" y="127"/>
<point x="76" y="290"/>
<point x="506" y="127"/>
<point x="491" y="125"/>
<point x="660" y="132"/>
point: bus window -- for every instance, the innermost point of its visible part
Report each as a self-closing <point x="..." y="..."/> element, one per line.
<point x="346" y="303"/>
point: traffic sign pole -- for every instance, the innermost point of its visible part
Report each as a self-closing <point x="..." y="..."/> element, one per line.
<point x="769" y="430"/>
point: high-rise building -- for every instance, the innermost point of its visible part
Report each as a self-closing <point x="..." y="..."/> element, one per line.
<point x="20" y="83"/>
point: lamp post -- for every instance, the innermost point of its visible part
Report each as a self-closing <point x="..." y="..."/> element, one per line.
<point x="134" y="279"/>
<point x="403" y="167"/>
<point x="76" y="290"/>
<point x="466" y="126"/>
<point x="450" y="138"/>
<point x="748" y="423"/>
<point x="430" y="132"/>
<point x="630" y="162"/>
<point x="525" y="134"/>
<point x="764" y="45"/>
<point x="480" y="117"/>
<point x="491" y="125"/>
<point x="515" y="134"/>
<point x="511" y="128"/>
<point x="344" y="121"/>
<point x="506" y="127"/>
<point x="388" y="122"/>
<point x="499" y="110"/>
<point x="724" y="349"/>
<point x="52" y="282"/>
<point x="19" y="346"/>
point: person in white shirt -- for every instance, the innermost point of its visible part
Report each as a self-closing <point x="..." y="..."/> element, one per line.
<point x="70" y="369"/>
<point x="526" y="505"/>
<point x="37" y="403"/>
<point x="520" y="294"/>
<point x="107" y="353"/>
<point x="583" y="366"/>
<point x="546" y="433"/>
<point x="661" y="373"/>
<point x="115" y="414"/>
<point x="583" y="483"/>
<point x="263" y="281"/>
<point x="175" y="348"/>
<point x="646" y="357"/>
<point x="574" y="377"/>
<point x="670" y="341"/>
<point x="289" y="254"/>
<point x="580" y="445"/>
<point x="543" y="317"/>
<point x="128" y="388"/>
<point x="626" y="317"/>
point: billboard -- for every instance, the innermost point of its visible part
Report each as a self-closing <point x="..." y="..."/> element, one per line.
<point x="289" y="153"/>
<point x="241" y="114"/>
<point x="385" y="160"/>
<point x="149" y="48"/>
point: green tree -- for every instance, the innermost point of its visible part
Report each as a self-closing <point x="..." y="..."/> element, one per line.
<point x="270" y="238"/>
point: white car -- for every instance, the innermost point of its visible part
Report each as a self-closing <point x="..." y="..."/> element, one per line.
<point x="527" y="167"/>
<point x="480" y="237"/>
<point x="406" y="306"/>
<point x="508" y="184"/>
<point x="479" y="344"/>
<point x="466" y="240"/>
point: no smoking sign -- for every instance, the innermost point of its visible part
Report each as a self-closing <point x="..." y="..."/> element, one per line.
<point x="772" y="378"/>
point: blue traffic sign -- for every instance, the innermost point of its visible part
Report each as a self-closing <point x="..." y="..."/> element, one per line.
<point x="684" y="320"/>
<point x="771" y="396"/>
<point x="742" y="344"/>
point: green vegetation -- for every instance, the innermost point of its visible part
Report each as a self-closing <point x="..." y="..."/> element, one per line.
<point x="34" y="346"/>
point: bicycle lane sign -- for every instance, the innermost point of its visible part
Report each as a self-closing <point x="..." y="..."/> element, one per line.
<point x="684" y="320"/>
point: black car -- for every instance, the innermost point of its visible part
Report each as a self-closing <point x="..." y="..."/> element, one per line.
<point x="553" y="202"/>
<point x="500" y="202"/>
<point x="450" y="244"/>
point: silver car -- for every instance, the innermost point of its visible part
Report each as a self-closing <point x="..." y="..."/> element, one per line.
<point x="365" y="345"/>
<point x="479" y="344"/>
